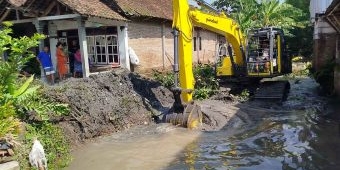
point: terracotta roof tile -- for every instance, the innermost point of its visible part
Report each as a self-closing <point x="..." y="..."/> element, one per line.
<point x="134" y="8"/>
<point x="92" y="8"/>
<point x="149" y="8"/>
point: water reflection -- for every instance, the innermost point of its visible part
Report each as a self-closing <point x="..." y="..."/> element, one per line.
<point x="302" y="134"/>
<point x="298" y="140"/>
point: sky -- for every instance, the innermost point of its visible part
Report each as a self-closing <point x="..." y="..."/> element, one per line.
<point x="209" y="1"/>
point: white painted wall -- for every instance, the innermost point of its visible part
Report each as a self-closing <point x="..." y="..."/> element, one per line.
<point x="53" y="48"/>
<point x="123" y="46"/>
<point x="322" y="27"/>
<point x="94" y="22"/>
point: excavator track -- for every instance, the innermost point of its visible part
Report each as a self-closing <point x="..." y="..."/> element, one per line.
<point x="273" y="91"/>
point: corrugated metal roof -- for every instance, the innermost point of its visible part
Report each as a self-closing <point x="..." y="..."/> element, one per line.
<point x="318" y="7"/>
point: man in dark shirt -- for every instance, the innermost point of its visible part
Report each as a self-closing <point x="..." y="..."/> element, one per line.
<point x="44" y="58"/>
<point x="72" y="50"/>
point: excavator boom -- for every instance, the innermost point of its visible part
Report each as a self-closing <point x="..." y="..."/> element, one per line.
<point x="184" y="20"/>
<point x="264" y="57"/>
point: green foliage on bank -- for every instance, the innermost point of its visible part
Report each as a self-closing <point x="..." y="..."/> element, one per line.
<point x="290" y="15"/>
<point x="206" y="84"/>
<point x="263" y="13"/>
<point x="24" y="112"/>
<point x="325" y="76"/>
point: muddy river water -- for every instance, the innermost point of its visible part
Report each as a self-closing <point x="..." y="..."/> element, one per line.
<point x="292" y="136"/>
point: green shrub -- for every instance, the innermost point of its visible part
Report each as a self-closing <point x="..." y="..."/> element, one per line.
<point x="325" y="76"/>
<point x="204" y="75"/>
<point x="244" y="96"/>
<point x="18" y="97"/>
<point x="56" y="146"/>
<point x="203" y="93"/>
<point x="205" y="82"/>
<point x="167" y="79"/>
<point x="9" y="124"/>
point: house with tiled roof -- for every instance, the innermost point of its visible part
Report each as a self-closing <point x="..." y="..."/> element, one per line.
<point x="106" y="29"/>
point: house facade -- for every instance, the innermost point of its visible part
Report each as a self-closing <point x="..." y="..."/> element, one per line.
<point x="105" y="30"/>
<point x="153" y="43"/>
<point x="325" y="16"/>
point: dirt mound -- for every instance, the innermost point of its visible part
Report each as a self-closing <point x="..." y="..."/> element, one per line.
<point x="108" y="102"/>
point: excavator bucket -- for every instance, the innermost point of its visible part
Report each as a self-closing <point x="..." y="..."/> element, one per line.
<point x="188" y="115"/>
<point x="191" y="117"/>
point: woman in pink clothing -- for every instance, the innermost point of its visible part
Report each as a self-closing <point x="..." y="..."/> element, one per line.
<point x="77" y="63"/>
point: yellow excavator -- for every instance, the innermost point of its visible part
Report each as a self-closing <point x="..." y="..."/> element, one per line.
<point x="261" y="55"/>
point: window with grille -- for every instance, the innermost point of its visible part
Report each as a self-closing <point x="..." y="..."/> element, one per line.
<point x="103" y="49"/>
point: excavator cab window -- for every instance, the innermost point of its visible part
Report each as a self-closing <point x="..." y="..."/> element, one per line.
<point x="258" y="61"/>
<point x="265" y="52"/>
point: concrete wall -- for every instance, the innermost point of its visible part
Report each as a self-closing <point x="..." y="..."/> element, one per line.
<point x="146" y="40"/>
<point x="13" y="165"/>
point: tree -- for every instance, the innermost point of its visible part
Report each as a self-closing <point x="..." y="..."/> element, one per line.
<point x="262" y="13"/>
<point x="12" y="90"/>
<point x="19" y="100"/>
<point x="292" y="16"/>
<point x="243" y="11"/>
<point x="275" y="13"/>
<point x="302" y="41"/>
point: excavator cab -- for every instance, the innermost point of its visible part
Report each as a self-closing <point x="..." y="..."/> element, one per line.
<point x="265" y="53"/>
<point x="263" y="56"/>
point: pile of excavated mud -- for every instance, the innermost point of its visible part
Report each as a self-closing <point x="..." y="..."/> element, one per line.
<point x="108" y="102"/>
<point x="114" y="101"/>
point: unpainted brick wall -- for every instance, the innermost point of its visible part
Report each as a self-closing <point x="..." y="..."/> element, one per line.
<point x="146" y="40"/>
<point x="325" y="51"/>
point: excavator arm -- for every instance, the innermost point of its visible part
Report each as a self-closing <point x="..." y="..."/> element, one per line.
<point x="184" y="20"/>
<point x="188" y="114"/>
<point x="268" y="57"/>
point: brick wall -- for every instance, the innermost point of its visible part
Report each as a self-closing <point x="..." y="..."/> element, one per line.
<point x="324" y="49"/>
<point x="337" y="68"/>
<point x="324" y="52"/>
<point x="146" y="40"/>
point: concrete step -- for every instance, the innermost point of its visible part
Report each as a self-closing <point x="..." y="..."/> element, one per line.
<point x="13" y="165"/>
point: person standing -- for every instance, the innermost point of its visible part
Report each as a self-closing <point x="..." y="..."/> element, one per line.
<point x="61" y="60"/>
<point x="44" y="59"/>
<point x="72" y="50"/>
<point x="77" y="63"/>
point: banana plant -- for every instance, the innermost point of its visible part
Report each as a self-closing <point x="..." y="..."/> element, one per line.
<point x="263" y="13"/>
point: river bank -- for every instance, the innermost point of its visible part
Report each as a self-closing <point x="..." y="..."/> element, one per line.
<point x="258" y="136"/>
